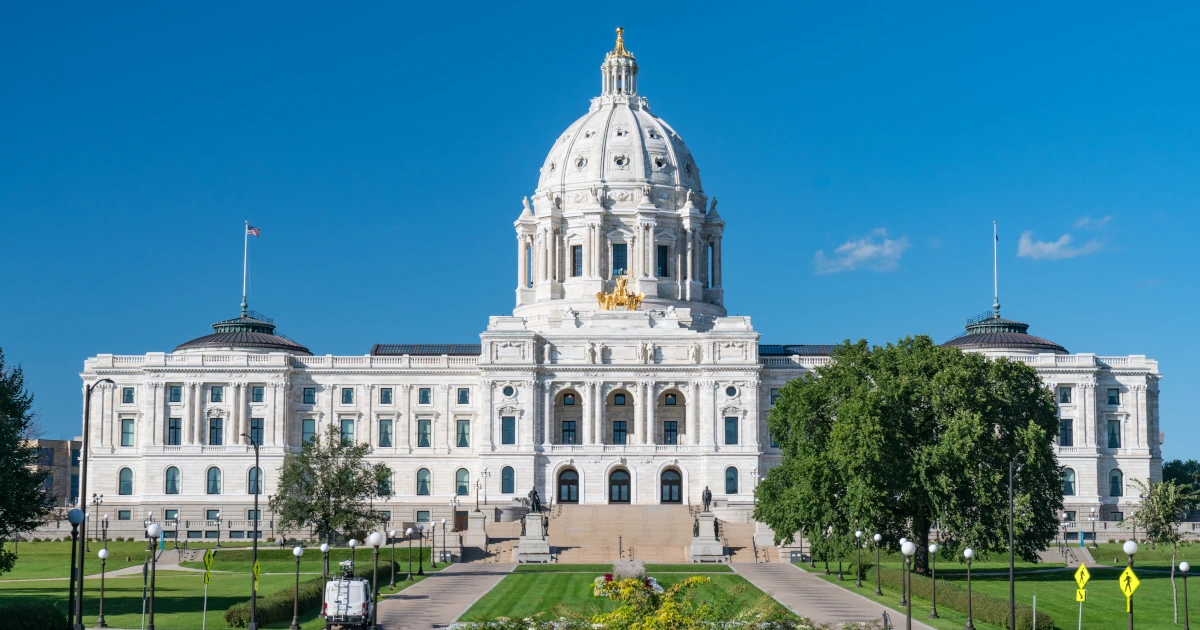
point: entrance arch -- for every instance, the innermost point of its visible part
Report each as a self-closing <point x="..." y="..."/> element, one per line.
<point x="671" y="486"/>
<point x="568" y="486"/>
<point x="618" y="486"/>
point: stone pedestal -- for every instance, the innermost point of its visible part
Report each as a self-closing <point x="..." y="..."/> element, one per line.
<point x="706" y="545"/>
<point x="476" y="534"/>
<point x="534" y="545"/>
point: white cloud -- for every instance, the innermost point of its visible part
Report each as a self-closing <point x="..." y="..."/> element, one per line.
<point x="1054" y="250"/>
<point x="1088" y="223"/>
<point x="876" y="252"/>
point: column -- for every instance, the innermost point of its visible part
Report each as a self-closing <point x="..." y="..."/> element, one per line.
<point x="690" y="420"/>
<point x="189" y="434"/>
<point x="639" y="412"/>
<point x="278" y="395"/>
<point x="158" y="408"/>
<point x="522" y="272"/>
<point x="1144" y="437"/>
<point x="691" y="266"/>
<point x="197" y="413"/>
<point x="448" y="433"/>
<point x="651" y="427"/>
<point x="487" y="412"/>
<point x="405" y="419"/>
<point x="547" y="413"/>
<point x="586" y="419"/>
<point x="601" y="429"/>
<point x="717" y="263"/>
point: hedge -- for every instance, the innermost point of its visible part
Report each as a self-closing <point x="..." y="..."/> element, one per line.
<point x="952" y="596"/>
<point x="31" y="615"/>
<point x="278" y="606"/>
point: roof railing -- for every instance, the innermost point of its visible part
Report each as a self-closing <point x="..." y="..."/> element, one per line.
<point x="986" y="315"/>
<point x="259" y="316"/>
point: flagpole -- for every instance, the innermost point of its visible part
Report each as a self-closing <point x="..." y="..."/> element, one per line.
<point x="995" y="271"/>
<point x="245" y="256"/>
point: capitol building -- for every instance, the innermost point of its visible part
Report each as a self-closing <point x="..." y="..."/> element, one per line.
<point x="618" y="377"/>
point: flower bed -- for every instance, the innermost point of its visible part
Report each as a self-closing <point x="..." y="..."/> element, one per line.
<point x="601" y="588"/>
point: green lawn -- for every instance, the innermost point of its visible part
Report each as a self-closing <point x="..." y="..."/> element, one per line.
<point x="1146" y="556"/>
<point x="527" y="593"/>
<point x="994" y="562"/>
<point x="53" y="559"/>
<point x="601" y="569"/>
<point x="275" y="560"/>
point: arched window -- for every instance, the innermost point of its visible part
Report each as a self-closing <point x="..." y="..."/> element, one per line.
<point x="731" y="480"/>
<point x="254" y="485"/>
<point x="214" y="481"/>
<point x="1068" y="481"/>
<point x="172" y="480"/>
<point x="423" y="482"/>
<point x="672" y="486"/>
<point x="1116" y="483"/>
<point x="462" y="482"/>
<point x="507" y="480"/>
<point x="125" y="481"/>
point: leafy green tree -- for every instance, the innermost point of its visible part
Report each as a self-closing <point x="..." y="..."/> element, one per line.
<point x="329" y="485"/>
<point x="896" y="439"/>
<point x="1162" y="510"/>
<point x="24" y="502"/>
<point x="1185" y="474"/>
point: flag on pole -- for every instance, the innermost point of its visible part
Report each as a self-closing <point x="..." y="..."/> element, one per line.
<point x="253" y="231"/>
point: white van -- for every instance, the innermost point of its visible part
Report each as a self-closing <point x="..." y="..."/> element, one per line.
<point x="347" y="603"/>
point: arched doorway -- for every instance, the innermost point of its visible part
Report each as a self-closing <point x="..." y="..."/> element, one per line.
<point x="568" y="486"/>
<point x="618" y="487"/>
<point x="672" y="486"/>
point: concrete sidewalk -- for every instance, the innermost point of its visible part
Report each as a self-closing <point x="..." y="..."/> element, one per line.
<point x="439" y="599"/>
<point x="810" y="596"/>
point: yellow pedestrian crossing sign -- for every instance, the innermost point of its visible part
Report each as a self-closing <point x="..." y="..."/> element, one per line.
<point x="1080" y="595"/>
<point x="208" y="560"/>
<point x="1128" y="582"/>
<point x="1081" y="577"/>
<point x="257" y="571"/>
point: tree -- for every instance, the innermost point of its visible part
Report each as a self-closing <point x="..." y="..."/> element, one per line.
<point x="1163" y="507"/>
<point x="24" y="502"/>
<point x="896" y="439"/>
<point x="1185" y="474"/>
<point x="329" y="485"/>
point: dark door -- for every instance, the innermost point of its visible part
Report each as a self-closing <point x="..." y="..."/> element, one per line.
<point x="618" y="487"/>
<point x="672" y="487"/>
<point x="568" y="487"/>
<point x="460" y="521"/>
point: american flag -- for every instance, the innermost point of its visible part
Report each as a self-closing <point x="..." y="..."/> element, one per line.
<point x="253" y="231"/>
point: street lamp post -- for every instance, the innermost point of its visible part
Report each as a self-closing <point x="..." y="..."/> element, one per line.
<point x="1130" y="548"/>
<point x="408" y="534"/>
<point x="257" y="489"/>
<point x="969" y="553"/>
<point x="858" y="564"/>
<point x="933" y="549"/>
<point x="104" y="533"/>
<point x="97" y="501"/>
<point x="421" y="550"/>
<point x="444" y="541"/>
<point x="103" y="558"/>
<point x="297" y="551"/>
<point x="1093" y="518"/>
<point x="908" y="549"/>
<point x="154" y="530"/>
<point x="324" y="571"/>
<point x="218" y="528"/>
<point x="903" y="582"/>
<point x="74" y="517"/>
<point x="1184" y="568"/>
<point x="392" y="536"/>
<point x="877" y="538"/>
<point x="83" y="470"/>
<point x="353" y="545"/>
<point x="375" y="539"/>
<point x="433" y="546"/>
<point x="1012" y="562"/>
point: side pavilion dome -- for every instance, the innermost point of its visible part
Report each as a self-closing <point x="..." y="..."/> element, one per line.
<point x="252" y="332"/>
<point x="992" y="332"/>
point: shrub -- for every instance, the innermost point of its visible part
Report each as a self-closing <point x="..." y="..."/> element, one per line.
<point x="31" y="615"/>
<point x="278" y="606"/>
<point x="951" y="595"/>
<point x="628" y="570"/>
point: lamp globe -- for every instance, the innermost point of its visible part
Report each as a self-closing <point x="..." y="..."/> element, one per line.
<point x="908" y="548"/>
<point x="353" y="543"/>
<point x="877" y="537"/>
<point x="103" y="554"/>
<point x="1130" y="547"/>
<point x="324" y="547"/>
<point x="153" y="530"/>
<point x="968" y="553"/>
<point x="1184" y="567"/>
<point x="75" y="516"/>
<point x="298" y="551"/>
<point x="933" y="548"/>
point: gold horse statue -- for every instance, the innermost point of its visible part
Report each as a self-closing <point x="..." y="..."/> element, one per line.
<point x="620" y="296"/>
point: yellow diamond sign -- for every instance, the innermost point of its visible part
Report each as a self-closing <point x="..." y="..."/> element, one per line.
<point x="208" y="558"/>
<point x="1128" y="582"/>
<point x="1082" y="576"/>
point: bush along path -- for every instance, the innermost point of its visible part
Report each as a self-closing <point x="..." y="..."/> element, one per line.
<point x="279" y="606"/>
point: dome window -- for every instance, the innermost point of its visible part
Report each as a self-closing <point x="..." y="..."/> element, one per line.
<point x="552" y="167"/>
<point x="621" y="161"/>
<point x="660" y="162"/>
<point x="508" y="391"/>
<point x="731" y="391"/>
<point x="589" y="133"/>
<point x="622" y="132"/>
<point x="687" y="167"/>
<point x="580" y="162"/>
<point x="653" y="133"/>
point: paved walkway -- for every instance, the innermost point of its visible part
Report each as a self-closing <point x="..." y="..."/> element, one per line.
<point x="439" y="599"/>
<point x="810" y="596"/>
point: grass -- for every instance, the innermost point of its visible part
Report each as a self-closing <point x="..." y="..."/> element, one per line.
<point x="601" y="569"/>
<point x="53" y="559"/>
<point x="282" y="561"/>
<point x="525" y="594"/>
<point x="1146" y="556"/>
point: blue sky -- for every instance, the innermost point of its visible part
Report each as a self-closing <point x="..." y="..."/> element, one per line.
<point x="860" y="151"/>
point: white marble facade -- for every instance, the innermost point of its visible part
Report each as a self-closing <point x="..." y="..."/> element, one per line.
<point x="677" y="389"/>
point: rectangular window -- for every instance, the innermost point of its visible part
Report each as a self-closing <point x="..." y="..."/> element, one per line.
<point x="127" y="395"/>
<point x="576" y="261"/>
<point x="74" y="458"/>
<point x="670" y="432"/>
<point x="310" y="396"/>
<point x="424" y="396"/>
<point x="774" y="442"/>
<point x="1114" y="434"/>
<point x="618" y="399"/>
<point x="774" y="395"/>
<point x="508" y="430"/>
<point x="1064" y="395"/>
<point x="126" y="432"/>
<point x="175" y="393"/>
<point x="1066" y="432"/>
<point x="422" y="516"/>
<point x="1114" y="396"/>
<point x="568" y="432"/>
<point x="464" y="396"/>
<point x="663" y="269"/>
<point x="212" y="515"/>
<point x="385" y="433"/>
<point x="46" y="456"/>
<point x="464" y="433"/>
<point x="423" y="433"/>
<point x="74" y="487"/>
<point x="215" y="434"/>
<point x="212" y="534"/>
<point x="171" y="515"/>
<point x="618" y="432"/>
<point x="347" y="432"/>
<point x="1116" y="517"/>
<point x="671" y="400"/>
<point x="308" y="429"/>
<point x="731" y="430"/>
<point x="195" y="534"/>
<point x="216" y="394"/>
<point x="174" y="431"/>
<point x="168" y="535"/>
<point x="124" y="515"/>
<point x="385" y="395"/>
<point x="347" y="395"/>
<point x="1069" y="516"/>
<point x="386" y="514"/>
<point x="237" y="534"/>
<point x="256" y="431"/>
<point x="256" y="393"/>
<point x="620" y="259"/>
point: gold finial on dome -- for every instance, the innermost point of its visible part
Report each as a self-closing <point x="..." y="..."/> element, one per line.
<point x="619" y="50"/>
